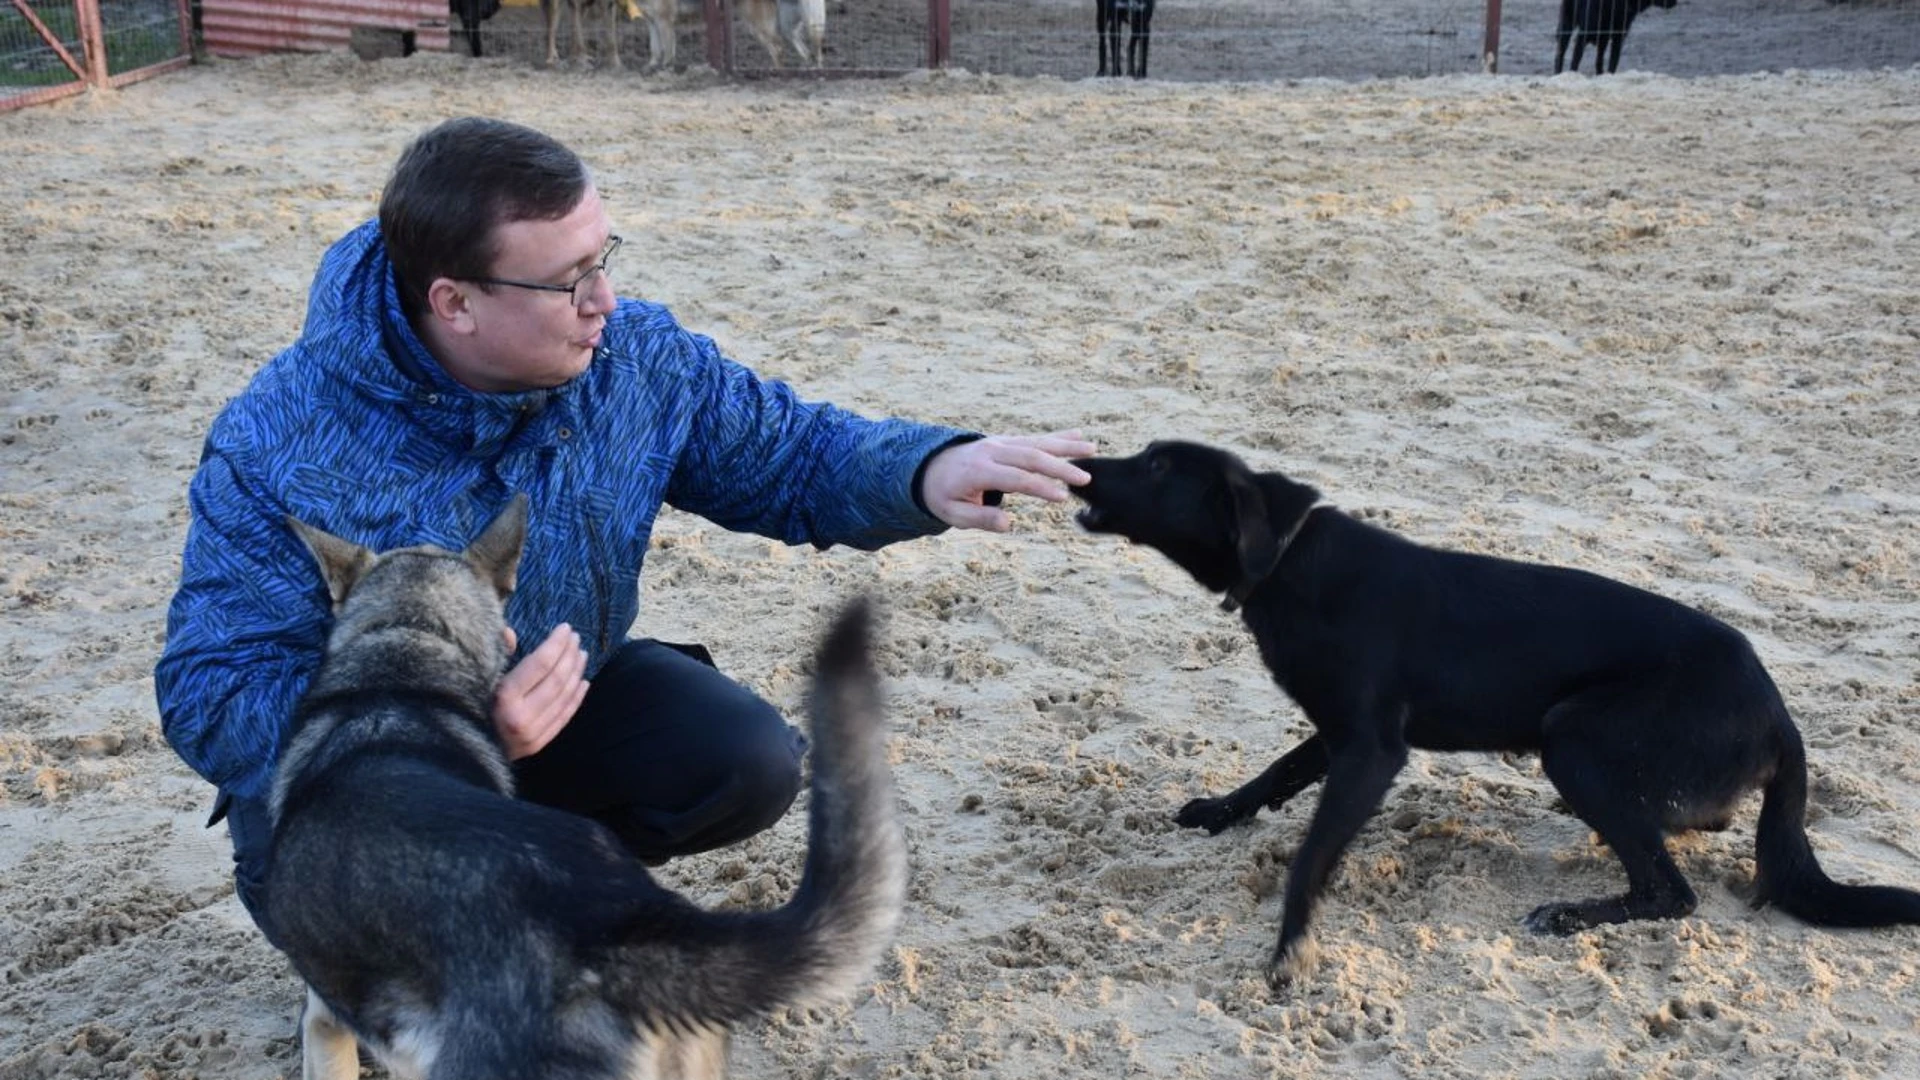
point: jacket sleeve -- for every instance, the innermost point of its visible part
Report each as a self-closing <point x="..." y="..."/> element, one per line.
<point x="244" y="632"/>
<point x="759" y="459"/>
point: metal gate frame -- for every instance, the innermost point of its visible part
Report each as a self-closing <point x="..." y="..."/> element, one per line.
<point x="90" y="68"/>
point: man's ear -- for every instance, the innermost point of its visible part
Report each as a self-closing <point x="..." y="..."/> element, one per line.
<point x="342" y="562"/>
<point x="449" y="302"/>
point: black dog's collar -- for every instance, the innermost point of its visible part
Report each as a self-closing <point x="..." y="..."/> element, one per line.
<point x="1237" y="595"/>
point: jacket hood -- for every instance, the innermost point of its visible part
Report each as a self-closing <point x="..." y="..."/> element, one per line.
<point x="357" y="334"/>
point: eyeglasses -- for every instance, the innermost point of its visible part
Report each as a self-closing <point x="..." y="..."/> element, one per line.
<point x="579" y="290"/>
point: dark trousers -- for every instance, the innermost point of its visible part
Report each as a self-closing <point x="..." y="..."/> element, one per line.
<point x="666" y="751"/>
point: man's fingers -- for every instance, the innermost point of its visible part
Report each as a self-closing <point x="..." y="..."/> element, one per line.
<point x="561" y="675"/>
<point x="1061" y="443"/>
<point x="537" y="698"/>
<point x="965" y="515"/>
<point x="1031" y="471"/>
<point x="548" y="673"/>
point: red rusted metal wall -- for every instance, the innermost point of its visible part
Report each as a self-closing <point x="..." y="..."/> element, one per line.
<point x="252" y="27"/>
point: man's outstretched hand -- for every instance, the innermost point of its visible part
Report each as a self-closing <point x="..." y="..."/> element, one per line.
<point x="957" y="479"/>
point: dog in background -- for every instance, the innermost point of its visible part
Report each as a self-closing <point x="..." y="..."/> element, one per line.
<point x="466" y="935"/>
<point x="1109" y="18"/>
<point x="471" y="14"/>
<point x="610" y="35"/>
<point x="1649" y="717"/>
<point x="800" y="24"/>
<point x="778" y="25"/>
<point x="1603" y="23"/>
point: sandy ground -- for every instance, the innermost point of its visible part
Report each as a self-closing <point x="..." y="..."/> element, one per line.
<point x="1660" y="329"/>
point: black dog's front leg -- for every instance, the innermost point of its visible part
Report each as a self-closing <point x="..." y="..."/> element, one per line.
<point x="1357" y="779"/>
<point x="1283" y="779"/>
<point x="1106" y="27"/>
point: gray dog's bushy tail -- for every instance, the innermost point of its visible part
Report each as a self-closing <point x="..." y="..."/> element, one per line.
<point x="703" y="968"/>
<point x="1789" y="876"/>
<point x="855" y="882"/>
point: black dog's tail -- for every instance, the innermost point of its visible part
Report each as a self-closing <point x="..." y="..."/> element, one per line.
<point x="690" y="968"/>
<point x="1789" y="876"/>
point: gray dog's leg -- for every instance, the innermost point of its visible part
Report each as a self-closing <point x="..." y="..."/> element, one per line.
<point x="328" y="1051"/>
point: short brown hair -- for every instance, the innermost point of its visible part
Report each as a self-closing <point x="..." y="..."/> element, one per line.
<point x="455" y="184"/>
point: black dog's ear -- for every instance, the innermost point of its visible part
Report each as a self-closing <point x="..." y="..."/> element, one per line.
<point x="1255" y="543"/>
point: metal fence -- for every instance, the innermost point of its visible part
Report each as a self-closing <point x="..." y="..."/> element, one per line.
<point x="44" y="44"/>
<point x="1261" y="40"/>
<point x="52" y="48"/>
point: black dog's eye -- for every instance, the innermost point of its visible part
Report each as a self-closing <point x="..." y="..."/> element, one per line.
<point x="1157" y="465"/>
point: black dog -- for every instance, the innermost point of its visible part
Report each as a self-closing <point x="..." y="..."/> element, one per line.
<point x="1109" y="16"/>
<point x="1602" y="22"/>
<point x="1649" y="717"/>
<point x="472" y="13"/>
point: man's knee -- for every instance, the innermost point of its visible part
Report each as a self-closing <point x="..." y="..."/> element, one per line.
<point x="769" y="777"/>
<point x="750" y="783"/>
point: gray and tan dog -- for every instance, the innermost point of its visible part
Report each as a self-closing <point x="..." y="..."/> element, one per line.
<point x="466" y="935"/>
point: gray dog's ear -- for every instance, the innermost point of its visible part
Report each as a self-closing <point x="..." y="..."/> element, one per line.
<point x="342" y="562"/>
<point x="1255" y="542"/>
<point x="496" y="554"/>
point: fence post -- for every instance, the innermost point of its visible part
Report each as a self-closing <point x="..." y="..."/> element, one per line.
<point x="93" y="41"/>
<point x="1490" y="57"/>
<point x="187" y="43"/>
<point x="719" y="15"/>
<point x="939" y="33"/>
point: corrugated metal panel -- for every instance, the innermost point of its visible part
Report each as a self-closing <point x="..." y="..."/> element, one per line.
<point x="252" y="27"/>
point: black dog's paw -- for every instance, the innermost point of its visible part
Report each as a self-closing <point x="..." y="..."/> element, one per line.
<point x="1559" y="919"/>
<point x="1214" y="815"/>
<point x="1292" y="963"/>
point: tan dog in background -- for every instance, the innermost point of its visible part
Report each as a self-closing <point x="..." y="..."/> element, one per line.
<point x="800" y="25"/>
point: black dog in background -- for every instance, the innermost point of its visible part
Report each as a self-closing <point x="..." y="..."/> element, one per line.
<point x="1649" y="717"/>
<point x="1109" y="16"/>
<point x="1601" y="23"/>
<point x="472" y="13"/>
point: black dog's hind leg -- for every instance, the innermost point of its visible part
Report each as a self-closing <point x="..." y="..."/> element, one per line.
<point x="1282" y="780"/>
<point x="1142" y="27"/>
<point x="1106" y="28"/>
<point x="1593" y="758"/>
<point x="1561" y="36"/>
<point x="1357" y="779"/>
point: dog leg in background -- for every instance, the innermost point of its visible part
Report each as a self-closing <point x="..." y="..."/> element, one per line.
<point x="1358" y="777"/>
<point x="1137" y="41"/>
<point x="328" y="1051"/>
<point x="1285" y="778"/>
<point x="663" y="32"/>
<point x="551" y="9"/>
<point x="803" y="23"/>
<point x="1106" y="27"/>
<point x="613" y="32"/>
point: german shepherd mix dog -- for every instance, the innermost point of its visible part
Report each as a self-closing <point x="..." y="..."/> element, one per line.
<point x="466" y="935"/>
<point x="1649" y="717"/>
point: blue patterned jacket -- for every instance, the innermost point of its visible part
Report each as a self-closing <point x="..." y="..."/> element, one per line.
<point x="356" y="429"/>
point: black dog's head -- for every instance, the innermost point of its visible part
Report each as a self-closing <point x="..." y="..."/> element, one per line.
<point x="1199" y="506"/>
